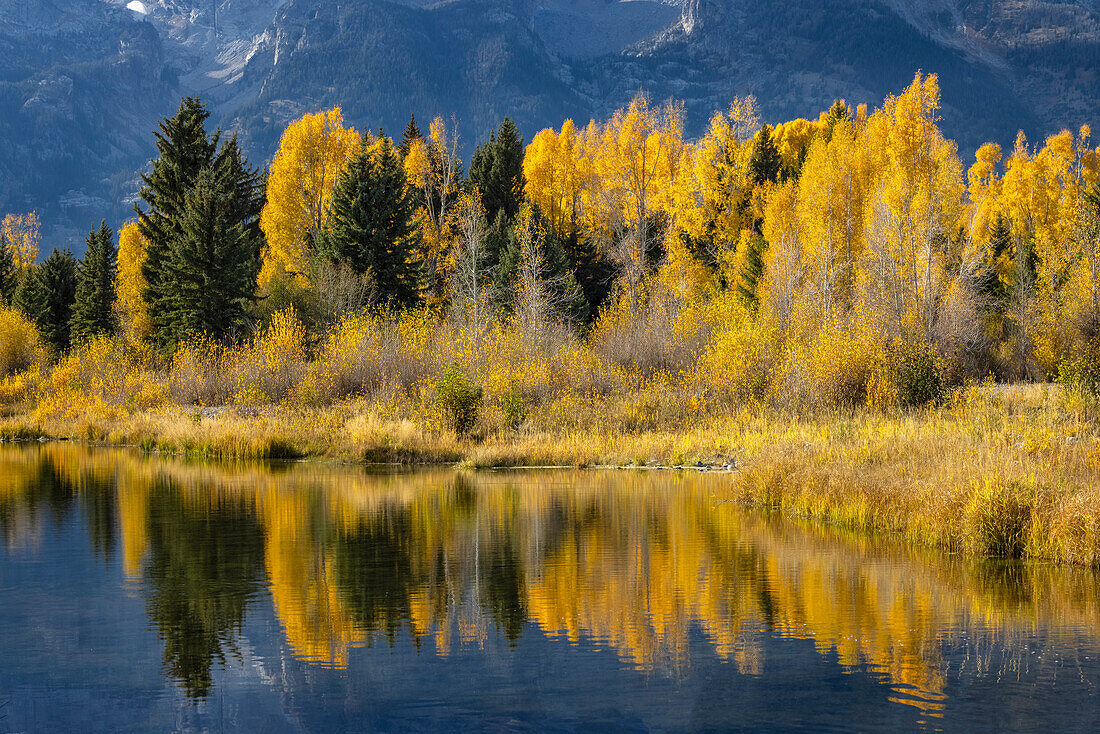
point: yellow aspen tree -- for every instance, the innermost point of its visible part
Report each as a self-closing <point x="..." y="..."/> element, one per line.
<point x="1064" y="171"/>
<point x="22" y="233"/>
<point x="1088" y="229"/>
<point x="639" y="151"/>
<point x="552" y="171"/>
<point x="785" y="266"/>
<point x="915" y="208"/>
<point x="831" y="201"/>
<point x="432" y="169"/>
<point x="793" y="139"/>
<point x="711" y="194"/>
<point x="130" y="283"/>
<point x="313" y="152"/>
<point x="983" y="186"/>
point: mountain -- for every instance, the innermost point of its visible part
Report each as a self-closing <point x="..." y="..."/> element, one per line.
<point x="83" y="82"/>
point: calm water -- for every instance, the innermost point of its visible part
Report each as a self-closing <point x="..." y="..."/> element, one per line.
<point x="153" y="594"/>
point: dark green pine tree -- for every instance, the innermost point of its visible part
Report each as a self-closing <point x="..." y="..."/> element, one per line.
<point x="984" y="278"/>
<point x="411" y="133"/>
<point x="371" y="226"/>
<point x="9" y="277"/>
<point x="212" y="263"/>
<point x="766" y="164"/>
<point x="594" y="271"/>
<point x="29" y="296"/>
<point x="557" y="273"/>
<point x="184" y="149"/>
<point x="94" y="310"/>
<point x="247" y="189"/>
<point x="752" y="271"/>
<point x="497" y="171"/>
<point x="837" y="113"/>
<point x="56" y="278"/>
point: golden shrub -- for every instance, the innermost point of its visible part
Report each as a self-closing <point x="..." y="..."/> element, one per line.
<point x="97" y="379"/>
<point x="20" y="346"/>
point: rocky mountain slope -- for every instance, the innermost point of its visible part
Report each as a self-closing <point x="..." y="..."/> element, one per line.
<point x="82" y="82"/>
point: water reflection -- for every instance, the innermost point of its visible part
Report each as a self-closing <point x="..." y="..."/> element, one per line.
<point x="633" y="562"/>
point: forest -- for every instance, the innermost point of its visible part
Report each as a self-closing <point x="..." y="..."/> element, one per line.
<point x="843" y="260"/>
<point x="836" y="310"/>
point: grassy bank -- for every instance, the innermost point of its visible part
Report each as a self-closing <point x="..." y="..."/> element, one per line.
<point x="995" y="471"/>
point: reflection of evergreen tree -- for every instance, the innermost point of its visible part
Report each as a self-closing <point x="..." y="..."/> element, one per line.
<point x="505" y="587"/>
<point x="46" y="492"/>
<point x="53" y="493"/>
<point x="102" y="509"/>
<point x="374" y="572"/>
<point x="206" y="563"/>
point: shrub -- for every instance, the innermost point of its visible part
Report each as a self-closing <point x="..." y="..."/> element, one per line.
<point x="20" y="346"/>
<point x="919" y="375"/>
<point x="512" y="406"/>
<point x="97" y="378"/>
<point x="458" y="397"/>
<point x="739" y="362"/>
<point x="1081" y="372"/>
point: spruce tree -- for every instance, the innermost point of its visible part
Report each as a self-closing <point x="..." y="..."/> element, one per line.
<point x="411" y="133"/>
<point x="28" y="296"/>
<point x="497" y="171"/>
<point x="184" y="149"/>
<point x="212" y="263"/>
<point x="56" y="281"/>
<point x="9" y="278"/>
<point x="178" y="243"/>
<point x="766" y="164"/>
<point x="594" y="271"/>
<point x="94" y="310"/>
<point x="752" y="271"/>
<point x="557" y="273"/>
<point x="371" y="227"/>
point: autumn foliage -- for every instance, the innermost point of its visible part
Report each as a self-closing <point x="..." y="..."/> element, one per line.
<point x="847" y="260"/>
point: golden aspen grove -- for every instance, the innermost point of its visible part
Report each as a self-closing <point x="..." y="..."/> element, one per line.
<point x="839" y="311"/>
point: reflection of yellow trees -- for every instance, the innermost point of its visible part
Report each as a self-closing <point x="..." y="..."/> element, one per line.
<point x="631" y="561"/>
<point x="316" y="620"/>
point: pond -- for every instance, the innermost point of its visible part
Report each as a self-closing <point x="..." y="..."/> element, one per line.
<point x="152" y="594"/>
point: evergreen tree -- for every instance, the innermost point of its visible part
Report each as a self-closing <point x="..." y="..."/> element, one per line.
<point x="594" y="271"/>
<point x="185" y="265"/>
<point x="497" y="236"/>
<point x="94" y="310"/>
<point x="184" y="151"/>
<point x="411" y="133"/>
<point x="28" y="296"/>
<point x="56" y="284"/>
<point x="752" y="271"/>
<point x="212" y="266"/>
<point x="371" y="226"/>
<point x="766" y="164"/>
<point x="497" y="171"/>
<point x="837" y="113"/>
<point x="9" y="278"/>
<point x="984" y="277"/>
<point x="556" y="273"/>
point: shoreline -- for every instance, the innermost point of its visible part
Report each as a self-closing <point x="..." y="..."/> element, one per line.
<point x="997" y="472"/>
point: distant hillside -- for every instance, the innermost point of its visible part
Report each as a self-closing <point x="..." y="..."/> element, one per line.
<point x="82" y="82"/>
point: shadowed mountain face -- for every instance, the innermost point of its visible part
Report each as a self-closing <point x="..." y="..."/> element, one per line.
<point x="83" y="82"/>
